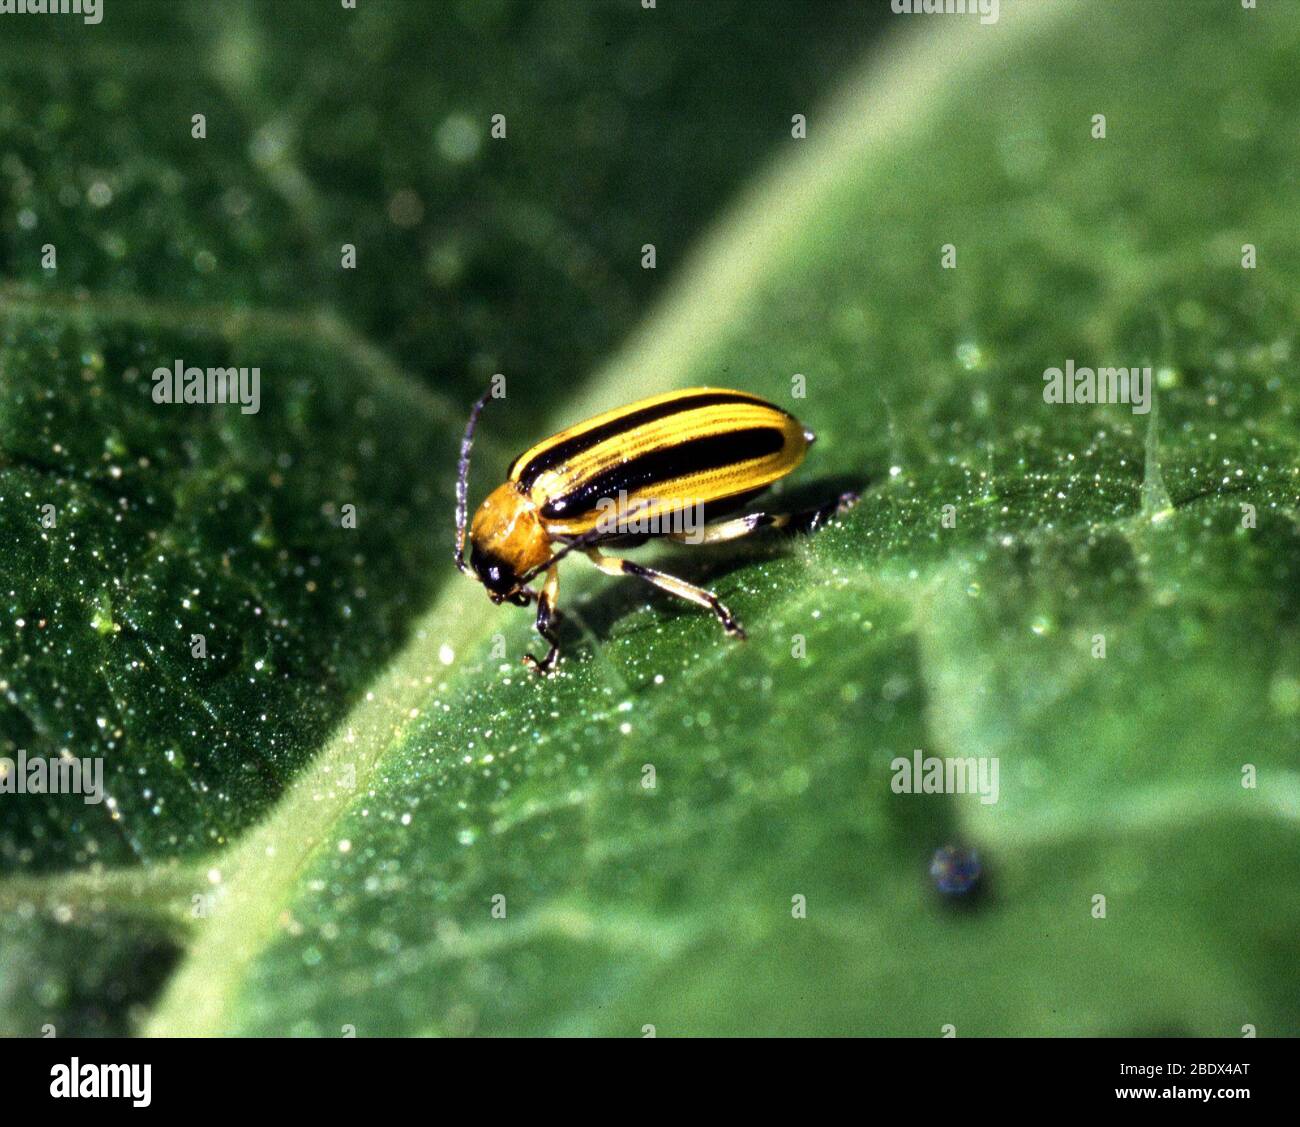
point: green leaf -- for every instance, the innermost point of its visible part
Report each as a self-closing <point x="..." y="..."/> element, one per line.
<point x="132" y="528"/>
<point x="365" y="893"/>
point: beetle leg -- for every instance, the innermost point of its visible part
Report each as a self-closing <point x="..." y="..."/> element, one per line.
<point x="737" y="527"/>
<point x="548" y="617"/>
<point x="612" y="565"/>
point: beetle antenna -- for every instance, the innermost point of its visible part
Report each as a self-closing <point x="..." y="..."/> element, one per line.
<point x="462" y="479"/>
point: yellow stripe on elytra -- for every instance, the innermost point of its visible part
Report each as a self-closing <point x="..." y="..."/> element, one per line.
<point x="616" y="414"/>
<point x="701" y="422"/>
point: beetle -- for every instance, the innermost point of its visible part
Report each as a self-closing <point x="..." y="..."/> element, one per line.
<point x="622" y="477"/>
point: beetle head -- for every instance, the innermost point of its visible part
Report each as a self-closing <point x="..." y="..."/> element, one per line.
<point x="507" y="541"/>
<point x="498" y="576"/>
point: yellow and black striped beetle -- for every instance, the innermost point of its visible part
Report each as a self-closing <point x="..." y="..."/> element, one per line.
<point x="607" y="480"/>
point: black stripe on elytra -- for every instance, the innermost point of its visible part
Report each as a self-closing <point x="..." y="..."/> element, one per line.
<point x="570" y="448"/>
<point x="696" y="455"/>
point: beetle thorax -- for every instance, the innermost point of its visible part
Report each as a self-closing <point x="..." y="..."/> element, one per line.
<point x="508" y="527"/>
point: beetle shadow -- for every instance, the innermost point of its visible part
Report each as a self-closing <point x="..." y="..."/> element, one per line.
<point x="702" y="565"/>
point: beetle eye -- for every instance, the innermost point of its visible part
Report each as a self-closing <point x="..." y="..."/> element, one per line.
<point x="494" y="573"/>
